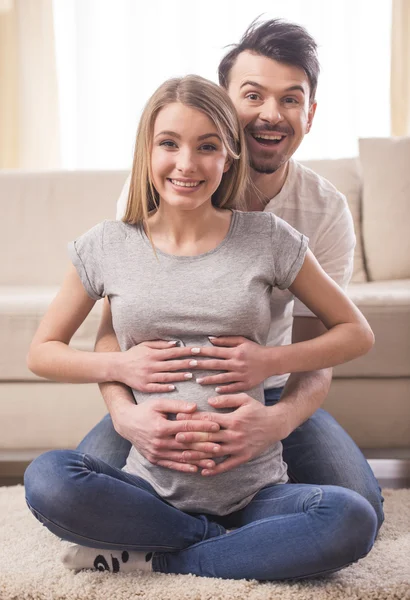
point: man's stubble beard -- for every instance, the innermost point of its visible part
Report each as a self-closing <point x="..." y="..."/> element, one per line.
<point x="266" y="169"/>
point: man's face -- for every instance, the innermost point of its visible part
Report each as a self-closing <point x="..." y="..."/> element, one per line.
<point x="272" y="100"/>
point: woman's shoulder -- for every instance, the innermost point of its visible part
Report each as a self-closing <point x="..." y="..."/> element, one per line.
<point x="256" y="221"/>
<point x="112" y="231"/>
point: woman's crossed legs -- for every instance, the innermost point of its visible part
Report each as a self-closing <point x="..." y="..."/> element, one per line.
<point x="286" y="531"/>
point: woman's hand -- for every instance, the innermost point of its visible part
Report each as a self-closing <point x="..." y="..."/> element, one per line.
<point x="151" y="367"/>
<point x="246" y="364"/>
<point x="148" y="428"/>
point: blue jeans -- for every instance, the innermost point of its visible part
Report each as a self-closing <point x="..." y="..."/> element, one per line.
<point x="319" y="452"/>
<point x="287" y="531"/>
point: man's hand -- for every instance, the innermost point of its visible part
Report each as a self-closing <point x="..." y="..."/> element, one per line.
<point x="150" y="367"/>
<point x="147" y="427"/>
<point x="245" y="433"/>
<point x="246" y="364"/>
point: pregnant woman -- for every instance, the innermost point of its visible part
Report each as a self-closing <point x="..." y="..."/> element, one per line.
<point x="183" y="267"/>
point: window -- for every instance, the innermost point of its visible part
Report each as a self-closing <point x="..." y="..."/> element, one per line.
<point x="111" y="55"/>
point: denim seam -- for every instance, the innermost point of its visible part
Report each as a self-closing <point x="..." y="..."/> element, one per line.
<point x="114" y="546"/>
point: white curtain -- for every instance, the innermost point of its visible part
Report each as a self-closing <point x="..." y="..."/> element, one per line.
<point x="400" y="68"/>
<point x="112" y="54"/>
<point x="29" y="123"/>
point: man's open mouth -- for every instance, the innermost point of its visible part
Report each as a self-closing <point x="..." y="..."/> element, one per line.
<point x="268" y="139"/>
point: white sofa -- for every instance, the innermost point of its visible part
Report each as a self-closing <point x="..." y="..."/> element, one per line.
<point x="42" y="211"/>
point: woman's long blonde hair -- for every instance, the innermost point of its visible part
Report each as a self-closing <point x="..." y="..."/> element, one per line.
<point x="214" y="102"/>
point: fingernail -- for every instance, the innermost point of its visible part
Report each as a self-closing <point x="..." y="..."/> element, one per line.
<point x="214" y="400"/>
<point x="192" y="469"/>
<point x="188" y="375"/>
<point x="196" y="350"/>
<point x="181" y="438"/>
<point x="172" y="343"/>
<point x="214" y="428"/>
<point x="193" y="363"/>
<point x="209" y="465"/>
<point x="205" y="472"/>
<point x="215" y="449"/>
<point x="211" y="337"/>
<point x="200" y="379"/>
<point x="190" y="405"/>
<point x="217" y="390"/>
<point x="171" y="387"/>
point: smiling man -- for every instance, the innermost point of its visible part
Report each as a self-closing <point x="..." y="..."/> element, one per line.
<point x="271" y="76"/>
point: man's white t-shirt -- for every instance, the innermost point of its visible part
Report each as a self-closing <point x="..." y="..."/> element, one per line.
<point x="313" y="206"/>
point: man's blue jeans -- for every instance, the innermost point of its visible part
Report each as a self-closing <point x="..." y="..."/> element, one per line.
<point x="286" y="531"/>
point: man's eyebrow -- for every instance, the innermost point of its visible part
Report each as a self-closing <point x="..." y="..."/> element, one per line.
<point x="201" y="137"/>
<point x="255" y="84"/>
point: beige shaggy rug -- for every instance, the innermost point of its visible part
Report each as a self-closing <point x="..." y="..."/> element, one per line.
<point x="30" y="568"/>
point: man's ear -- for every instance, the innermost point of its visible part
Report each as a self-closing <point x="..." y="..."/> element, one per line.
<point x="311" y="114"/>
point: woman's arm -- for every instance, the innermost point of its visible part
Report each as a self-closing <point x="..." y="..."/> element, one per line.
<point x="50" y="356"/>
<point x="349" y="334"/>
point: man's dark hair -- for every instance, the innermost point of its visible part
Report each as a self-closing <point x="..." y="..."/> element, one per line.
<point x="279" y="40"/>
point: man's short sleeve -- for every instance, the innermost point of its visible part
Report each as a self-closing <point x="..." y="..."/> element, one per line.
<point x="123" y="199"/>
<point x="334" y="250"/>
<point x="289" y="251"/>
<point x="87" y="255"/>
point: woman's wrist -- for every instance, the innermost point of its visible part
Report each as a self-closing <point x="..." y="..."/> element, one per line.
<point x="113" y="366"/>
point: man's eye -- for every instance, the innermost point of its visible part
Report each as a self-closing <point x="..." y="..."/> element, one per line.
<point x="252" y="96"/>
<point x="290" y="101"/>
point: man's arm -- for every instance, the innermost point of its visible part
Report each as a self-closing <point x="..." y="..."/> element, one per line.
<point x="305" y="392"/>
<point x="117" y="396"/>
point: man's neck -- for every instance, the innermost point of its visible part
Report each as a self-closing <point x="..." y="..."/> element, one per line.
<point x="264" y="187"/>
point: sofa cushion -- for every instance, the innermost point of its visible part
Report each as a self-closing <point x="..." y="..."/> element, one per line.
<point x="21" y="310"/>
<point x="42" y="211"/>
<point x="386" y="305"/>
<point x="374" y="412"/>
<point x="345" y="175"/>
<point x="386" y="206"/>
<point x="42" y="415"/>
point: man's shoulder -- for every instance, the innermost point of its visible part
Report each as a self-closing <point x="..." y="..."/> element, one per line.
<point x="313" y="190"/>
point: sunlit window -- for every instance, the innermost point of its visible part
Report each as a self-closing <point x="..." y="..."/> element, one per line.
<point x="111" y="55"/>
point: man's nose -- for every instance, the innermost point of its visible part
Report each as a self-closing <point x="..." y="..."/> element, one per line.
<point x="186" y="162"/>
<point x="271" y="111"/>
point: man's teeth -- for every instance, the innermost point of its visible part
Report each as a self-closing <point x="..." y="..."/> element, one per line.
<point x="262" y="136"/>
<point x="185" y="183"/>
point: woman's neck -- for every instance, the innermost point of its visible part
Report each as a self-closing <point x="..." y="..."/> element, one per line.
<point x="187" y="232"/>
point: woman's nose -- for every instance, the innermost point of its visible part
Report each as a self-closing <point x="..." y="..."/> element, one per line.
<point x="186" y="162"/>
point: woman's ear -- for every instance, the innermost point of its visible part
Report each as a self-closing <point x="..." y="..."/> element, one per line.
<point x="228" y="164"/>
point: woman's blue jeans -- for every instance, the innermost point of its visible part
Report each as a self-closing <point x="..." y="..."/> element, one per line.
<point x="319" y="452"/>
<point x="286" y="531"/>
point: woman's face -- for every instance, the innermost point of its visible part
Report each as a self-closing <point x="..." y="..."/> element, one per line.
<point x="188" y="158"/>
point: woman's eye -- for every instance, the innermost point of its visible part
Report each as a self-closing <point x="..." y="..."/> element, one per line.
<point x="208" y="147"/>
<point x="168" y="144"/>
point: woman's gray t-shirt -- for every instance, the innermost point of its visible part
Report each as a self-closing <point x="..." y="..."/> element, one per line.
<point x="224" y="292"/>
